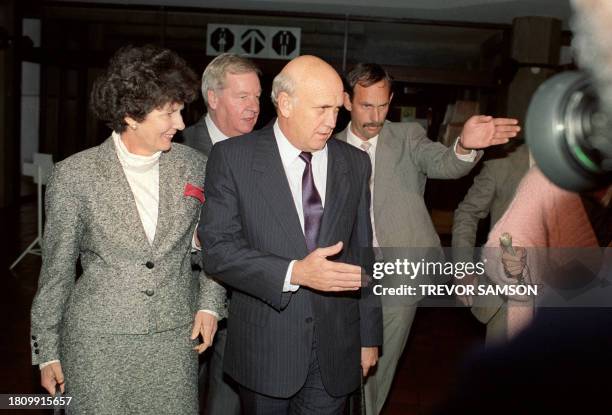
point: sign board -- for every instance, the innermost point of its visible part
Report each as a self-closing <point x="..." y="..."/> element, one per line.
<point x="263" y="42"/>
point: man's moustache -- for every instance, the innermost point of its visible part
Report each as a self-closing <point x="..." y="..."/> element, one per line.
<point x="373" y="124"/>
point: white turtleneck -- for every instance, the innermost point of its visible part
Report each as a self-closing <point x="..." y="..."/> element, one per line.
<point x="142" y="173"/>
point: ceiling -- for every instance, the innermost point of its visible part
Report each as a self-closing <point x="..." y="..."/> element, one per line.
<point x="479" y="11"/>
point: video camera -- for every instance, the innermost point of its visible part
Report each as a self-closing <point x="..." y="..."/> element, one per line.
<point x="569" y="133"/>
<point x="569" y="120"/>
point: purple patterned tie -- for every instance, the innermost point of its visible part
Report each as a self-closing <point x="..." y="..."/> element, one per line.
<point x="311" y="203"/>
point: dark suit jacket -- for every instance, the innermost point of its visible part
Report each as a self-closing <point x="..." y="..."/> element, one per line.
<point x="197" y="136"/>
<point x="250" y="232"/>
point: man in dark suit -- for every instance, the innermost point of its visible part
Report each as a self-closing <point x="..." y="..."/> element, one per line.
<point x="231" y="91"/>
<point x="279" y="202"/>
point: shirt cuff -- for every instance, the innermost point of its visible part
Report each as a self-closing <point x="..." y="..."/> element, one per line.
<point x="464" y="157"/>
<point x="287" y="286"/>
<point x="195" y="247"/>
<point x="40" y="366"/>
<point x="216" y="315"/>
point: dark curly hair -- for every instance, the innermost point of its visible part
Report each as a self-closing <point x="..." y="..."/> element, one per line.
<point x="138" y="80"/>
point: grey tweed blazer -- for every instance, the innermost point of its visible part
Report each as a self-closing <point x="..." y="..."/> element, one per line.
<point x="128" y="286"/>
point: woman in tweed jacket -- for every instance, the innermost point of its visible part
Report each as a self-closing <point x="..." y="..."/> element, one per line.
<point x="121" y="338"/>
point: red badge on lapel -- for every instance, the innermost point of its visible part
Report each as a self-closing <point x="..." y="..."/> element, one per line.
<point x="194" y="191"/>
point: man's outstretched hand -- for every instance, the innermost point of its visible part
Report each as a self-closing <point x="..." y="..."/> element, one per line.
<point x="482" y="131"/>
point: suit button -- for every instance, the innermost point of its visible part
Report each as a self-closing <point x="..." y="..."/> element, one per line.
<point x="36" y="351"/>
<point x="309" y="320"/>
<point x="33" y="337"/>
<point x="149" y="264"/>
<point x="150" y="293"/>
<point x="35" y="344"/>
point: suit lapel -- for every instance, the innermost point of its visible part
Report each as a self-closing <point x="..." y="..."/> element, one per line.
<point x="206" y="141"/>
<point x="169" y="193"/>
<point x="342" y="135"/>
<point x="274" y="187"/>
<point x="120" y="195"/>
<point x="198" y="137"/>
<point x="385" y="162"/>
<point x="386" y="155"/>
<point x="335" y="194"/>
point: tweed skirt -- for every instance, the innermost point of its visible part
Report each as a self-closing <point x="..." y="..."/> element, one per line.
<point x="131" y="374"/>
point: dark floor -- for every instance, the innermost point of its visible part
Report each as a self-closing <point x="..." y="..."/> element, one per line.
<point x="427" y="370"/>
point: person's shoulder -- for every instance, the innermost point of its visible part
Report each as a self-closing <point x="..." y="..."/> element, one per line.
<point x="342" y="134"/>
<point x="194" y="128"/>
<point x="536" y="185"/>
<point x="535" y="177"/>
<point x="352" y="153"/>
<point x="84" y="159"/>
<point x="245" y="141"/>
<point x="507" y="156"/>
<point x="79" y="168"/>
<point x="498" y="166"/>
<point x="403" y="129"/>
<point x="344" y="146"/>
<point x="199" y="123"/>
<point x="187" y="153"/>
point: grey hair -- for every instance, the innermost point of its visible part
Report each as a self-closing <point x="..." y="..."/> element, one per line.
<point x="282" y="83"/>
<point x="213" y="78"/>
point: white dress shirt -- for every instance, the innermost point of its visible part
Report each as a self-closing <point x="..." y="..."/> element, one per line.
<point x="215" y="133"/>
<point x="294" y="169"/>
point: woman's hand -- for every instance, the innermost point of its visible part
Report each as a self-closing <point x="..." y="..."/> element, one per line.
<point x="205" y="325"/>
<point x="50" y="376"/>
